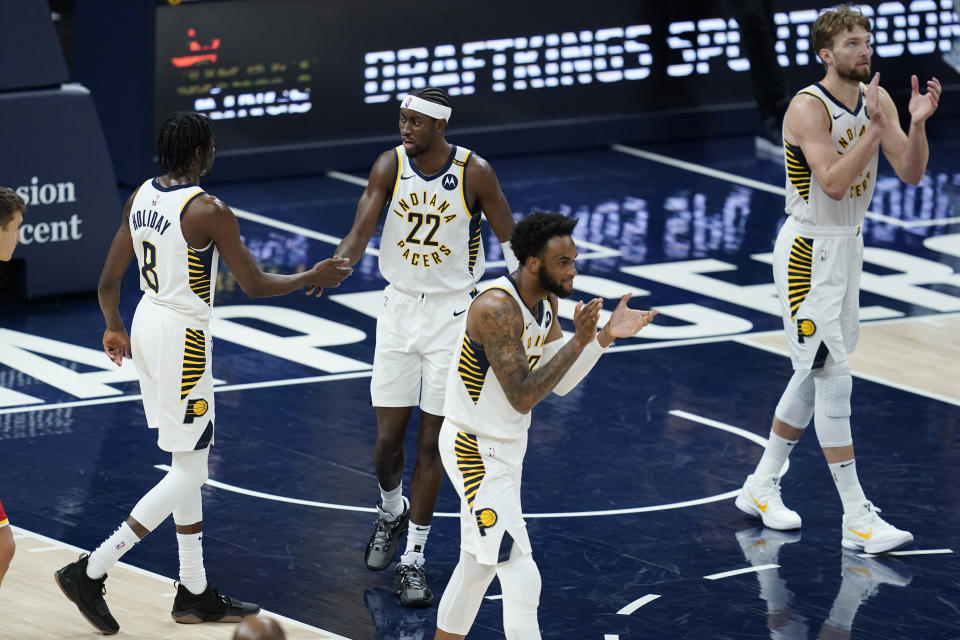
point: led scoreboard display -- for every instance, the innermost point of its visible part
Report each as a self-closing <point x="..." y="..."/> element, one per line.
<point x="295" y="73"/>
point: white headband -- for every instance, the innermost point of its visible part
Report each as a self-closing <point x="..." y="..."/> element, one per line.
<point x="426" y="107"/>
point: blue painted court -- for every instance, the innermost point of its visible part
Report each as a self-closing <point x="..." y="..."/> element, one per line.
<point x="629" y="480"/>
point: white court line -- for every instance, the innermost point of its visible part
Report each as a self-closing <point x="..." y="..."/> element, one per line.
<point x="761" y="186"/>
<point x="743" y="433"/>
<point x="217" y="389"/>
<point x="697" y="168"/>
<point x="737" y="572"/>
<point x="276" y="498"/>
<point x="918" y="552"/>
<point x="346" y="177"/>
<point x="568" y="514"/>
<point x="498" y="597"/>
<point x="636" y="604"/>
<point x="24" y="533"/>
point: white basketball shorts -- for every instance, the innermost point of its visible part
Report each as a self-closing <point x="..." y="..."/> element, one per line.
<point x="416" y="336"/>
<point x="486" y="474"/>
<point x="173" y="363"/>
<point x="817" y="274"/>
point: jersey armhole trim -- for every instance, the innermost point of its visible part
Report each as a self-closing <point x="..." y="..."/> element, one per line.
<point x="825" y="106"/>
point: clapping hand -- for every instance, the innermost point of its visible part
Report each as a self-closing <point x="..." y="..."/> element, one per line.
<point x="922" y="106"/>
<point x="626" y="322"/>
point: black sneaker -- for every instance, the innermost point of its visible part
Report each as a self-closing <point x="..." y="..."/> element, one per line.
<point x="209" y="606"/>
<point x="382" y="548"/>
<point x="87" y="594"/>
<point x="410" y="584"/>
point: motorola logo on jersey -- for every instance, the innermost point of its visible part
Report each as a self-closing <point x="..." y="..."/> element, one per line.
<point x="195" y="409"/>
<point x="450" y="182"/>
<point x="486" y="518"/>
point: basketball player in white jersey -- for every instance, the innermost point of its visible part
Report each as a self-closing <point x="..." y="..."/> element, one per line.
<point x="177" y="233"/>
<point x="431" y="255"/>
<point x="509" y="357"/>
<point x="832" y="133"/>
<point x="12" y="208"/>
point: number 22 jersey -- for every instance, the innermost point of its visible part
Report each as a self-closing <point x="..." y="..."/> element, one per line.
<point x="431" y="241"/>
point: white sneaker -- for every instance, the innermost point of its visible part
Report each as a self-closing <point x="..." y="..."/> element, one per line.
<point x="864" y="529"/>
<point x="761" y="497"/>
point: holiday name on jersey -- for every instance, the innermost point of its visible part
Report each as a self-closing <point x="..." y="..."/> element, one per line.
<point x="424" y="227"/>
<point x="149" y="218"/>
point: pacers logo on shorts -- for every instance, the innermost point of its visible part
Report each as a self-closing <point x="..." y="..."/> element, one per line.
<point x="486" y="518"/>
<point x="195" y="409"/>
<point x="805" y="328"/>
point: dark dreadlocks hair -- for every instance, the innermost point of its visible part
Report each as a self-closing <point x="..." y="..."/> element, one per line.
<point x="180" y="135"/>
<point x="434" y="94"/>
<point x="531" y="234"/>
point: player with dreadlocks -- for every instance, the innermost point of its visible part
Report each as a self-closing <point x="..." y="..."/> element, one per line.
<point x="177" y="233"/>
<point x="431" y="257"/>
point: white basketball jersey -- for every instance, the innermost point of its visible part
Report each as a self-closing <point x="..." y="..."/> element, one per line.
<point x="431" y="242"/>
<point x="173" y="274"/>
<point x="475" y="401"/>
<point x="806" y="200"/>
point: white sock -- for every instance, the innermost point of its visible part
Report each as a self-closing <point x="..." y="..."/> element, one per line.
<point x="774" y="455"/>
<point x="392" y="501"/>
<point x="848" y="485"/>
<point x="111" y="550"/>
<point x="192" y="574"/>
<point x="416" y="542"/>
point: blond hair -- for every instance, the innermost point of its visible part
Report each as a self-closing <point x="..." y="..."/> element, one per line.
<point x="832" y="22"/>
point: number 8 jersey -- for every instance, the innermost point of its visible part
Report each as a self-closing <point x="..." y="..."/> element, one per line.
<point x="431" y="241"/>
<point x="173" y="275"/>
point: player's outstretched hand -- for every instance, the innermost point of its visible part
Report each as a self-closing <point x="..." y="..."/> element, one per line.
<point x="922" y="106"/>
<point x="116" y="344"/>
<point x="626" y="322"/>
<point x="585" y="319"/>
<point x="328" y="273"/>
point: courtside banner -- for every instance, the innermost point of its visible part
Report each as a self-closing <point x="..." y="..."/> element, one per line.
<point x="57" y="161"/>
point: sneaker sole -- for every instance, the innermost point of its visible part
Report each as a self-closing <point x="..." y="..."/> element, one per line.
<point x="855" y="546"/>
<point x="417" y="604"/>
<point x="192" y="618"/>
<point x="107" y="632"/>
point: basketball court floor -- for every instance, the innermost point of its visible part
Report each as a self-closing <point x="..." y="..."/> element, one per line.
<point x="629" y="481"/>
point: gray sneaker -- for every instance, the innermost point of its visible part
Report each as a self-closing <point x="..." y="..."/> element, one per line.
<point x="410" y="584"/>
<point x="382" y="548"/>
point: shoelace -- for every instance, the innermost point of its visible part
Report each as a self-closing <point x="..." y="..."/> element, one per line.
<point x="412" y="577"/>
<point x="774" y="485"/>
<point x="381" y="539"/>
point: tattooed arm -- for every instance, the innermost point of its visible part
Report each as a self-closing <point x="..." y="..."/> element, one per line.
<point x="495" y="321"/>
